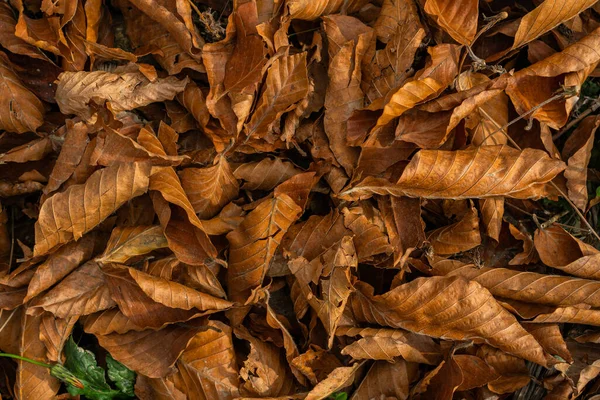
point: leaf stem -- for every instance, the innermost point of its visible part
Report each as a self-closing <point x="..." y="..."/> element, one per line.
<point x="577" y="120"/>
<point x="29" y="360"/>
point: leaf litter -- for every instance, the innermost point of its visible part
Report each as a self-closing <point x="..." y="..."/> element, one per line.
<point x="299" y="199"/>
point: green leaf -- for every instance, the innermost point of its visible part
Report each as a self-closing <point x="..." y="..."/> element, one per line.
<point x="598" y="191"/>
<point x="339" y="396"/>
<point x="82" y="364"/>
<point x="121" y="376"/>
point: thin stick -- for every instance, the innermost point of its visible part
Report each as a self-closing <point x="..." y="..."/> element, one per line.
<point x="577" y="120"/>
<point x="12" y="237"/>
<point x="525" y="114"/>
<point x="564" y="93"/>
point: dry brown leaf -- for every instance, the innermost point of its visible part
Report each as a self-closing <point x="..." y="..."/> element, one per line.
<point x="546" y="17"/>
<point x="113" y="147"/>
<point x="151" y="301"/>
<point x="492" y="211"/>
<point x="315" y="364"/>
<point x="404" y="225"/>
<point x="458" y="373"/>
<point x="488" y="119"/>
<point x="157" y="389"/>
<point x="512" y="370"/>
<point x="264" y="372"/>
<point x="536" y="83"/>
<point x="207" y="367"/>
<point x="54" y="333"/>
<point x="526" y="286"/>
<point x="335" y="284"/>
<point x="550" y="337"/>
<point x="286" y="84"/>
<point x="71" y="153"/>
<point x="128" y="242"/>
<point x="125" y="91"/>
<point x="337" y="380"/>
<point x="253" y="245"/>
<point x="387" y="380"/>
<point x="210" y="189"/>
<point x="31" y="151"/>
<point x="22" y="111"/>
<point x="578" y="151"/>
<point x="457" y="18"/>
<point x="441" y="71"/>
<point x="529" y="254"/>
<point x="68" y="215"/>
<point x="309" y="9"/>
<point x="139" y="351"/>
<point x="446" y="316"/>
<point x="9" y="40"/>
<point x="369" y="240"/>
<point x="59" y="264"/>
<point x="108" y="321"/>
<point x="84" y="291"/>
<point x="265" y="174"/>
<point x="33" y="381"/>
<point x="559" y="249"/>
<point x="386" y="344"/>
<point x="460" y="236"/>
<point x="486" y="171"/>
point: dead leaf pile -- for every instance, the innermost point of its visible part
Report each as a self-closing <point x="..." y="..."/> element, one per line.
<point x="303" y="199"/>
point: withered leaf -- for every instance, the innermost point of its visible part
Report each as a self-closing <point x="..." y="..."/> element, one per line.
<point x="386" y="344"/>
<point x="22" y="111"/>
<point x="210" y="189"/>
<point x="68" y="215"/>
<point x="125" y="91"/>
<point x="557" y="248"/>
<point x="432" y="80"/>
<point x="309" y="10"/>
<point x="59" y="264"/>
<point x="71" y="153"/>
<point x="265" y="174"/>
<point x="527" y="286"/>
<point x="287" y="83"/>
<point x="264" y="372"/>
<point x="207" y="368"/>
<point x="33" y="381"/>
<point x="577" y="152"/>
<point x="84" y="291"/>
<point x="460" y="236"/>
<point x="128" y="242"/>
<point x="387" y="379"/>
<point x="54" y="333"/>
<point x="485" y="171"/>
<point x="337" y="380"/>
<point x="458" y="18"/>
<point x="446" y="316"/>
<point x="253" y="244"/>
<point x="545" y="17"/>
<point x="139" y="351"/>
<point x="151" y="301"/>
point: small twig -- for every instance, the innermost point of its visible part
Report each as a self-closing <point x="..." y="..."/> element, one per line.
<point x="525" y="114"/>
<point x="12" y="237"/>
<point x="565" y="92"/>
<point x="577" y="120"/>
<point x="491" y="22"/>
<point x="223" y="10"/>
<point x="554" y="219"/>
<point x="523" y="211"/>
